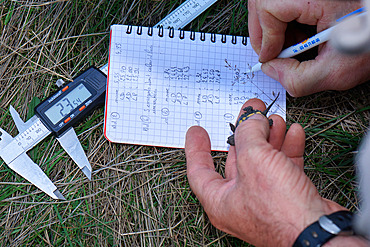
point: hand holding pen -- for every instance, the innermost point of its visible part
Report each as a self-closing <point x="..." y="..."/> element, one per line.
<point x="330" y="70"/>
<point x="311" y="42"/>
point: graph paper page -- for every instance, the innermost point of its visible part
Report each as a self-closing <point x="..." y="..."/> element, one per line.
<point x="161" y="82"/>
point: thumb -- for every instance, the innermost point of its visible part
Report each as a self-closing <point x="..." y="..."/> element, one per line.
<point x="298" y="78"/>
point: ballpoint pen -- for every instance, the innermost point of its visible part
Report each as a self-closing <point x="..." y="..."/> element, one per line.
<point x="307" y="44"/>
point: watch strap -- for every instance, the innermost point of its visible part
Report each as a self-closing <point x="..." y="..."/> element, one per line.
<point x="327" y="227"/>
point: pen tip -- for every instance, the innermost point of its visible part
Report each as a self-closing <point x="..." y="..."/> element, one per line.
<point x="256" y="67"/>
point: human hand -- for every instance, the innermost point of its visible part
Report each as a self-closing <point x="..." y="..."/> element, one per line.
<point x="265" y="198"/>
<point x="268" y="21"/>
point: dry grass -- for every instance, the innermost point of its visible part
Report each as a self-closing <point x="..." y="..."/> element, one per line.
<point x="139" y="195"/>
<point x="334" y="123"/>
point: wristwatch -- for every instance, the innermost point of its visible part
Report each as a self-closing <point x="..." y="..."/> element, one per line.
<point x="327" y="227"/>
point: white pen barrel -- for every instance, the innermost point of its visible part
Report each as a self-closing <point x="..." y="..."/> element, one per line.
<point x="306" y="44"/>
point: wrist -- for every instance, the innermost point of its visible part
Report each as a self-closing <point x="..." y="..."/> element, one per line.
<point x="288" y="233"/>
<point x="314" y="215"/>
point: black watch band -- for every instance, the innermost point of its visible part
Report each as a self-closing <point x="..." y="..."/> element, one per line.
<point x="327" y="227"/>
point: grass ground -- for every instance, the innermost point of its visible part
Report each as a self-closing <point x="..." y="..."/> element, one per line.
<point x="139" y="195"/>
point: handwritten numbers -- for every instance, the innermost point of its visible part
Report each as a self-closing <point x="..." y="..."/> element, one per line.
<point x="208" y="98"/>
<point x="208" y="76"/>
<point x="177" y="73"/>
<point x="126" y="74"/>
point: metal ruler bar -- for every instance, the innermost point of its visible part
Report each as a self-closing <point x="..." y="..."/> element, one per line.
<point x="185" y="13"/>
<point x="104" y="69"/>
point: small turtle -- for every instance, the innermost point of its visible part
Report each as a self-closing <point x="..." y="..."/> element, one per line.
<point x="248" y="112"/>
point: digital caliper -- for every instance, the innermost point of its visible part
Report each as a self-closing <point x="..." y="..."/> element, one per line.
<point x="57" y="115"/>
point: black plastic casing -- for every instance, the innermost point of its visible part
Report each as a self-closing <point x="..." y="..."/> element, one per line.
<point x="95" y="81"/>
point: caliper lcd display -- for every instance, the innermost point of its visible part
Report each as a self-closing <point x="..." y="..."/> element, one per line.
<point x="67" y="104"/>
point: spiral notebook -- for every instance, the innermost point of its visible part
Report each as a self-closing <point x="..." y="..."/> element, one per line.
<point x="162" y="81"/>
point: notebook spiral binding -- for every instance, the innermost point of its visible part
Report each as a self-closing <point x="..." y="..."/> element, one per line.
<point x="181" y="35"/>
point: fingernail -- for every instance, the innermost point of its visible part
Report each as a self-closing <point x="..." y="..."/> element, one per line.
<point x="261" y="55"/>
<point x="261" y="58"/>
<point x="270" y="71"/>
